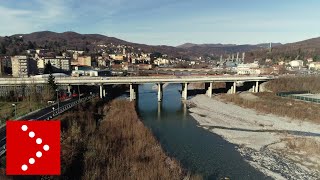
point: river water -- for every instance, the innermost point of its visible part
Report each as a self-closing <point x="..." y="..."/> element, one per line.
<point x="198" y="150"/>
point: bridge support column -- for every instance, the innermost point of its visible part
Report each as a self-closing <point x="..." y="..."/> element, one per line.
<point x="133" y="92"/>
<point x="104" y="92"/>
<point x="69" y="89"/>
<point x="101" y="91"/>
<point x="234" y="88"/>
<point x="209" y="87"/>
<point x="160" y="94"/>
<point x="257" y="87"/>
<point x="184" y="91"/>
<point x="253" y="89"/>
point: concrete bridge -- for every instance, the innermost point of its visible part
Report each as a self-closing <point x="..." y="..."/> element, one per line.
<point x="133" y="82"/>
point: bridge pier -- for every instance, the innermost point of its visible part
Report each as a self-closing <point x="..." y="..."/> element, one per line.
<point x="234" y="88"/>
<point x="160" y="93"/>
<point x="257" y="87"/>
<point x="184" y="91"/>
<point x="102" y="92"/>
<point x="69" y="89"/>
<point x="133" y="92"/>
<point x="209" y="87"/>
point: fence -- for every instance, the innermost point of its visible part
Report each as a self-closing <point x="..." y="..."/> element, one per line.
<point x="300" y="95"/>
<point x="64" y="108"/>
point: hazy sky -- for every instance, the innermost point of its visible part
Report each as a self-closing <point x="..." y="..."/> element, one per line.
<point x="170" y="22"/>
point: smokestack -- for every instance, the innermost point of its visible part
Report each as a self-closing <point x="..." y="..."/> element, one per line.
<point x="243" y="56"/>
<point x="237" y="56"/>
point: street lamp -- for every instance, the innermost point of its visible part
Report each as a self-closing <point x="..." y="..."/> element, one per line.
<point x="58" y="99"/>
<point x="15" y="110"/>
<point x="52" y="111"/>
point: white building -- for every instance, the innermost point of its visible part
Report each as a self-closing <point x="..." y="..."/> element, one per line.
<point x="161" y="61"/>
<point x="245" y="69"/>
<point x="59" y="62"/>
<point x="296" y="63"/>
<point x="314" y="65"/>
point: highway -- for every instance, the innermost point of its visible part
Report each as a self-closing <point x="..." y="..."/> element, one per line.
<point x="44" y="114"/>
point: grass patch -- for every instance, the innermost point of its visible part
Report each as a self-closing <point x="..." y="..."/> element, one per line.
<point x="271" y="104"/>
<point x="7" y="111"/>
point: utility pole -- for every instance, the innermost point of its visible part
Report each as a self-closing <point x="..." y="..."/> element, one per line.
<point x="15" y="110"/>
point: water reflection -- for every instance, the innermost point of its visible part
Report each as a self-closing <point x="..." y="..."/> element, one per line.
<point x="159" y="110"/>
<point x="198" y="150"/>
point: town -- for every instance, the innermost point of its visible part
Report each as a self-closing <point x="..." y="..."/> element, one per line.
<point x="113" y="59"/>
<point x="172" y="90"/>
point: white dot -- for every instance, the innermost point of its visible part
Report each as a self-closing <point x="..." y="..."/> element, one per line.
<point x="24" y="127"/>
<point x="32" y="160"/>
<point x="46" y="147"/>
<point x="24" y="167"/>
<point x="39" y="141"/>
<point x="39" y="154"/>
<point x="31" y="134"/>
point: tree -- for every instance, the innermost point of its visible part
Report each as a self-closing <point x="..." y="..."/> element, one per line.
<point x="52" y="86"/>
<point x="30" y="45"/>
<point x="3" y="49"/>
<point x="48" y="68"/>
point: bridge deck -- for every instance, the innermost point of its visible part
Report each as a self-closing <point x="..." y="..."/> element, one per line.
<point x="133" y="80"/>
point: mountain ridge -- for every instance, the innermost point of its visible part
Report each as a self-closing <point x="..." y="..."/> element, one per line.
<point x="74" y="40"/>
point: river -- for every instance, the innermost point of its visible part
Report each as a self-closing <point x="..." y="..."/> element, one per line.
<point x="198" y="150"/>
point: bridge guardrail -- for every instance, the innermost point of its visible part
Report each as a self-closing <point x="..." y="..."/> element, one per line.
<point x="295" y="95"/>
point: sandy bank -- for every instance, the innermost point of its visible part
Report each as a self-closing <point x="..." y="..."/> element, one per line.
<point x="280" y="147"/>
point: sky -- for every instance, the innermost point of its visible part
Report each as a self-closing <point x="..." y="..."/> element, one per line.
<point x="168" y="22"/>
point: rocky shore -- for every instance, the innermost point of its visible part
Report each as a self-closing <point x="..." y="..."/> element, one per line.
<point x="280" y="147"/>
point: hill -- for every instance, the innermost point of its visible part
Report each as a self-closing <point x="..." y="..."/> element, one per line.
<point x="302" y="50"/>
<point x="17" y="44"/>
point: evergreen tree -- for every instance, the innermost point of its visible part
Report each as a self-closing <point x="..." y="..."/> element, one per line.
<point x="48" y="68"/>
<point x="52" y="86"/>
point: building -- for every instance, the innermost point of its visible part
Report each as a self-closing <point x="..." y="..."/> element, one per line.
<point x="251" y="68"/>
<point x="117" y="57"/>
<point x="161" y="61"/>
<point x="6" y="65"/>
<point x="82" y="61"/>
<point x="59" y="63"/>
<point x="314" y="66"/>
<point x="20" y="66"/>
<point x="1" y="68"/>
<point x="296" y="63"/>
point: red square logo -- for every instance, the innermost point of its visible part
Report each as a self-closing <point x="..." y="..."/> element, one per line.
<point x="33" y="148"/>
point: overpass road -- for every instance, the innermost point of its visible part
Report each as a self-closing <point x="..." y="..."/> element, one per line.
<point x="132" y="80"/>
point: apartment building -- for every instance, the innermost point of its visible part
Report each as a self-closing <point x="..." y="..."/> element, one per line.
<point x="20" y="66"/>
<point x="59" y="63"/>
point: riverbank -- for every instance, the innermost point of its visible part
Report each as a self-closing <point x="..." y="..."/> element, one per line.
<point x="280" y="147"/>
<point x="110" y="142"/>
